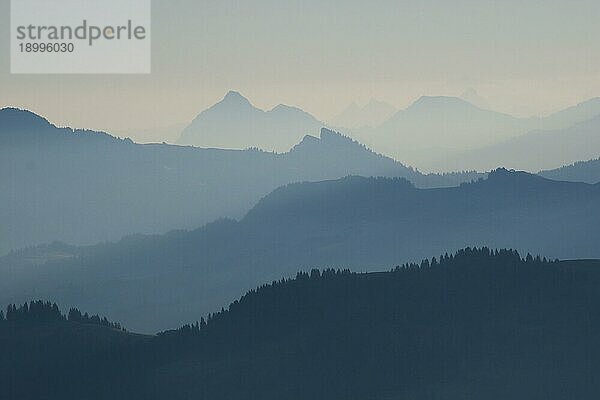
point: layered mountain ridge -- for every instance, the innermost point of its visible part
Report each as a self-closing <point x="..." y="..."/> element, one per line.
<point x="64" y="181"/>
<point x="354" y="222"/>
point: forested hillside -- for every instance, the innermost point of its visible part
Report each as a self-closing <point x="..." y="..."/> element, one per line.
<point x="477" y="324"/>
<point x="581" y="171"/>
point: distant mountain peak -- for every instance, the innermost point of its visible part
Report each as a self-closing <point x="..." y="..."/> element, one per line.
<point x="233" y="94"/>
<point x="285" y="107"/>
<point x="235" y="98"/>
<point x="437" y="101"/>
<point x="293" y="111"/>
<point x="234" y="123"/>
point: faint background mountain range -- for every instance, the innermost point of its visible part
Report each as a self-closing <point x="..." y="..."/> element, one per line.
<point x="374" y="113"/>
<point x="435" y="133"/>
<point x="62" y="178"/>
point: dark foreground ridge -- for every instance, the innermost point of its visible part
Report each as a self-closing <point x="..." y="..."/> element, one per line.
<point x="477" y="324"/>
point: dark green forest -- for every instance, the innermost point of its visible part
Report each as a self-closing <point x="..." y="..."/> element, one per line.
<point x="481" y="324"/>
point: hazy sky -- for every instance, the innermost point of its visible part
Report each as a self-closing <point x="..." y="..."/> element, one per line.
<point x="523" y="57"/>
